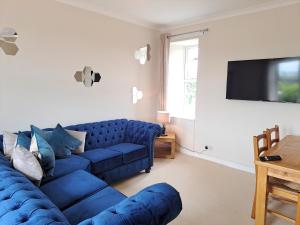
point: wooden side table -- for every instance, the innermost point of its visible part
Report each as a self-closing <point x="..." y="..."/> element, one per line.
<point x="165" y="146"/>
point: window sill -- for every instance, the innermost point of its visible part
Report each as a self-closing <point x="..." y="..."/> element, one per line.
<point x="183" y="118"/>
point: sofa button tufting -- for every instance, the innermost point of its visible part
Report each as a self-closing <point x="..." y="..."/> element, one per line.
<point x="24" y="219"/>
<point x="15" y="207"/>
<point x="114" y="212"/>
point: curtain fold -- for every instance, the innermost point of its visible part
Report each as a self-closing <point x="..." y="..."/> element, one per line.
<point x="165" y="47"/>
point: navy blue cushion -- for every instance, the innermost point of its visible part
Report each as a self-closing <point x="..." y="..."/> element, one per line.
<point x="46" y="155"/>
<point x="21" y="202"/>
<point x="130" y="152"/>
<point x="71" y="188"/>
<point x="93" y="205"/>
<point x="23" y="140"/>
<point x="103" y="159"/>
<point x="68" y="165"/>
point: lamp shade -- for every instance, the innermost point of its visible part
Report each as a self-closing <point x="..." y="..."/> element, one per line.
<point x="163" y="117"/>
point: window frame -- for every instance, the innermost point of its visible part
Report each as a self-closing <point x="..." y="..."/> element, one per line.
<point x="184" y="115"/>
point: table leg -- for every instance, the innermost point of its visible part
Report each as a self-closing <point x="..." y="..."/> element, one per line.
<point x="261" y="195"/>
<point x="173" y="149"/>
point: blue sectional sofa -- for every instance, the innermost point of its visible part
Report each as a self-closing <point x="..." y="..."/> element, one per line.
<point x="75" y="194"/>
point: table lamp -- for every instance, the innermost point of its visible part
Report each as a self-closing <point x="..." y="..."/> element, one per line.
<point x="163" y="117"/>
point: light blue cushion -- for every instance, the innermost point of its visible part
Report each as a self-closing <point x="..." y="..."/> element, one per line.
<point x="45" y="134"/>
<point x="47" y="157"/>
<point x="71" y="188"/>
<point x="23" y="140"/>
<point x="62" y="142"/>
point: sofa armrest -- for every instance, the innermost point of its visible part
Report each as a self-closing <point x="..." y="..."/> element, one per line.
<point x="158" y="204"/>
<point x="143" y="133"/>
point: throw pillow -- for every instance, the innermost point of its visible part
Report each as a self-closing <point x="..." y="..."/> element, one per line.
<point x="9" y="143"/>
<point x="25" y="162"/>
<point x="63" y="143"/>
<point x="44" y="152"/>
<point x="23" y="140"/>
<point x="44" y="134"/>
<point x="80" y="136"/>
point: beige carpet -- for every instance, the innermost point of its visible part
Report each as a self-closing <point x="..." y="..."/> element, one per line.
<point x="212" y="194"/>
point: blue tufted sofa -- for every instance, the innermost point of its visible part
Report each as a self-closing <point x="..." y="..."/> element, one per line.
<point x="75" y="196"/>
<point x="114" y="149"/>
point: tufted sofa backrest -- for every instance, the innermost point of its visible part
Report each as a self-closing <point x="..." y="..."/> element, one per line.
<point x="102" y="134"/>
<point x="21" y="202"/>
<point x="99" y="134"/>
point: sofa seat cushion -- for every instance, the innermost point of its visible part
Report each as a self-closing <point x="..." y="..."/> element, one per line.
<point x="71" y="188"/>
<point x="130" y="152"/>
<point x="103" y="159"/>
<point x="68" y="165"/>
<point x="93" y="205"/>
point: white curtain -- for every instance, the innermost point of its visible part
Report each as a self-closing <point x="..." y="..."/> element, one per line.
<point x="165" y="43"/>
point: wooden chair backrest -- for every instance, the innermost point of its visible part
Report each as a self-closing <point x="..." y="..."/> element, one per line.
<point x="271" y="140"/>
<point x="260" y="144"/>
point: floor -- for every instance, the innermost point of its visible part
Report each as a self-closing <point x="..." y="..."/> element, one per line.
<point x="212" y="194"/>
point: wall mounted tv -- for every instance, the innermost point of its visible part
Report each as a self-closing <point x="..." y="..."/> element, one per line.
<point x="272" y="80"/>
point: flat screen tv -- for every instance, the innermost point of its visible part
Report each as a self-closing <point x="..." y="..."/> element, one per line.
<point x="273" y="80"/>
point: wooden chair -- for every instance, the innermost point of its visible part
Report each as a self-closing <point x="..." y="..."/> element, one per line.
<point x="272" y="141"/>
<point x="276" y="187"/>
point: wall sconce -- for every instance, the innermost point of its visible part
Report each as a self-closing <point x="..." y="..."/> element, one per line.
<point x="136" y="95"/>
<point x="87" y="76"/>
<point x="143" y="54"/>
<point x="7" y="38"/>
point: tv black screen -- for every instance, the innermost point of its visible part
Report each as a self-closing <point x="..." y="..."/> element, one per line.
<point x="274" y="80"/>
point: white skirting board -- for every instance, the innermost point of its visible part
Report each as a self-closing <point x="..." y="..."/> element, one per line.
<point x="216" y="160"/>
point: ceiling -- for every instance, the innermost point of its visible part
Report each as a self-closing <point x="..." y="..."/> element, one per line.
<point x="163" y="14"/>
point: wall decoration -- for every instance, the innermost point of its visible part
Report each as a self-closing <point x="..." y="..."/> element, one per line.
<point x="136" y="95"/>
<point x="8" y="36"/>
<point x="143" y="54"/>
<point x="87" y="76"/>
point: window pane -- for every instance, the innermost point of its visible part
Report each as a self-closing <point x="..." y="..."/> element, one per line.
<point x="189" y="99"/>
<point x="191" y="62"/>
<point x="182" y="78"/>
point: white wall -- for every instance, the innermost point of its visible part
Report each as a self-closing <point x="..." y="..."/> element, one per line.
<point x="37" y="85"/>
<point x="227" y="126"/>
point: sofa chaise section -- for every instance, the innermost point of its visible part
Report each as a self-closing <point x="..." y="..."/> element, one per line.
<point x="158" y="204"/>
<point x="21" y="202"/>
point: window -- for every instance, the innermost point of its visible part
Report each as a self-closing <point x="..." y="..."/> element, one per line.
<point x="182" y="78"/>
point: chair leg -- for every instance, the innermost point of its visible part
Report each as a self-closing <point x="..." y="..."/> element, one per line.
<point x="298" y="211"/>
<point x="253" y="206"/>
<point x="254" y="199"/>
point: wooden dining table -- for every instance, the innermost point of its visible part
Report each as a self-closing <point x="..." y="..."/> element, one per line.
<point x="287" y="169"/>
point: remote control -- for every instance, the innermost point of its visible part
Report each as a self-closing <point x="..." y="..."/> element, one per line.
<point x="270" y="158"/>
